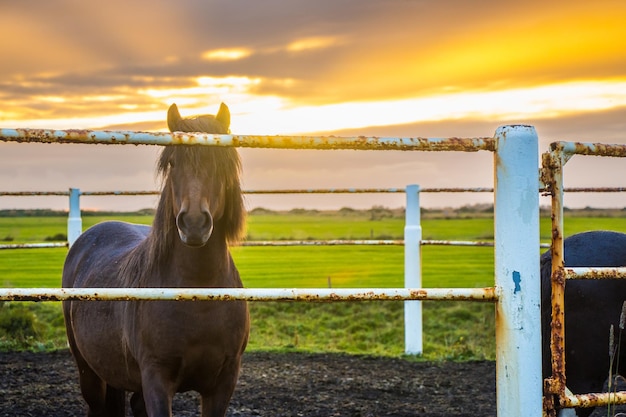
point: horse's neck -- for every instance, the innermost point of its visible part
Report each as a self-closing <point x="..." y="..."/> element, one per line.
<point x="208" y="266"/>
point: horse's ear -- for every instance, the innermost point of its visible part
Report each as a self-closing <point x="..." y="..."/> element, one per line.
<point x="173" y="118"/>
<point x="223" y="116"/>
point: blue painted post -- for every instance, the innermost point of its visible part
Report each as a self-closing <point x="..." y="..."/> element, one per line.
<point x="74" y="221"/>
<point x="517" y="277"/>
<point x="413" y="344"/>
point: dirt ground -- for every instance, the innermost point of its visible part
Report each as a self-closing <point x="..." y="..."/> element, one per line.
<point x="279" y="385"/>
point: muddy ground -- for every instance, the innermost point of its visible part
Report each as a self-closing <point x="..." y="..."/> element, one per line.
<point x="279" y="385"/>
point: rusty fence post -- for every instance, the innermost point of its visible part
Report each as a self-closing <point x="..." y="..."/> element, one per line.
<point x="517" y="278"/>
<point x="413" y="344"/>
<point x="74" y="221"/>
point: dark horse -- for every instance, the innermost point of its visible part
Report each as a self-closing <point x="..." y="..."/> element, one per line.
<point x="591" y="306"/>
<point x="157" y="348"/>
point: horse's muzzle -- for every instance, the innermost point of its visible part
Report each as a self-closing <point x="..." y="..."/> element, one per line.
<point x="194" y="228"/>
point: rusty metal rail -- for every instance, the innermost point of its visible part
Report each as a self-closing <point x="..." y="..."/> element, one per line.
<point x="593" y="399"/>
<point x="348" y="242"/>
<point x="487" y="294"/>
<point x="588" y="148"/>
<point x="34" y="245"/>
<point x="334" y="242"/>
<point x="247" y="141"/>
<point x="594" y="273"/>
<point x="312" y="191"/>
<point x="556" y="394"/>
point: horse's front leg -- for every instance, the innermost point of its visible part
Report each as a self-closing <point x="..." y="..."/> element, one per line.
<point x="215" y="402"/>
<point x="157" y="394"/>
<point x="137" y="405"/>
<point x="214" y="405"/>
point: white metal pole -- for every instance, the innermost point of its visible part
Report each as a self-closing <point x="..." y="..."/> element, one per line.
<point x="517" y="278"/>
<point x="413" y="344"/>
<point x="74" y="221"/>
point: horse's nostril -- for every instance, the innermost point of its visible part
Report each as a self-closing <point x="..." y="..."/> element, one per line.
<point x="180" y="221"/>
<point x="208" y="220"/>
<point x="195" y="227"/>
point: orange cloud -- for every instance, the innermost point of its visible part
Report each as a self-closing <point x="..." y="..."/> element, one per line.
<point x="514" y="48"/>
<point x="226" y="54"/>
<point x="310" y="43"/>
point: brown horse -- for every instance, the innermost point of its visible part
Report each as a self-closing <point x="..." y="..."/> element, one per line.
<point x="157" y="348"/>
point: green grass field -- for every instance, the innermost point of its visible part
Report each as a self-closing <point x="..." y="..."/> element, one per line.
<point x="452" y="330"/>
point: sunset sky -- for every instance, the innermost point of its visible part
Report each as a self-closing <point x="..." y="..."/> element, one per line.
<point x="375" y="67"/>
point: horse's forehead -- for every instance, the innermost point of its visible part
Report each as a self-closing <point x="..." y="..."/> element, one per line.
<point x="200" y="160"/>
<point x="205" y="123"/>
<point x="221" y="164"/>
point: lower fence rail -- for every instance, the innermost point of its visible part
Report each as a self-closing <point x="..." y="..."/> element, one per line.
<point x="593" y="399"/>
<point x="334" y="242"/>
<point x="34" y="245"/>
<point x="487" y="294"/>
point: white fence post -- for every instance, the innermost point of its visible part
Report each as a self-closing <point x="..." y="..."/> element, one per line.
<point x="517" y="277"/>
<point x="74" y="221"/>
<point x="413" y="344"/>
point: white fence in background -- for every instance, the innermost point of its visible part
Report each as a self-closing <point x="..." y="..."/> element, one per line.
<point x="517" y="281"/>
<point x="413" y="324"/>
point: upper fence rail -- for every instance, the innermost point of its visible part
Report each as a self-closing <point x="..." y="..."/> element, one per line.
<point x="247" y="141"/>
<point x="588" y="148"/>
<point x="311" y="191"/>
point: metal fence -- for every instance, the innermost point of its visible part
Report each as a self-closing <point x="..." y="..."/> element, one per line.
<point x="74" y="228"/>
<point x="413" y="321"/>
<point x="557" y="395"/>
<point x="516" y="292"/>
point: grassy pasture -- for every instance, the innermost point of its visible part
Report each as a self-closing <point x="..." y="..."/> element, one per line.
<point x="452" y="330"/>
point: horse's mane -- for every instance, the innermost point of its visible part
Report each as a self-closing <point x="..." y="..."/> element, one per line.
<point x="220" y="163"/>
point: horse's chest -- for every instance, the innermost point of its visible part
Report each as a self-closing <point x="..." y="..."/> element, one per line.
<point x="184" y="328"/>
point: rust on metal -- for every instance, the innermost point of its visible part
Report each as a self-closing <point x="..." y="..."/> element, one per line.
<point x="549" y="406"/>
<point x="457" y="190"/>
<point x="552" y="179"/>
<point x="595" y="189"/>
<point x="456" y="243"/>
<point x="557" y="327"/>
<point x="248" y="141"/>
<point x="328" y="191"/>
<point x="34" y="245"/>
<point x="265" y="243"/>
<point x="348" y="242"/>
<point x="545" y="173"/>
<point x="487" y="294"/>
<point x="365" y="142"/>
<point x="551" y="175"/>
<point x="593" y="399"/>
<point x="594" y="273"/>
<point x="317" y="191"/>
<point x="33" y="193"/>
<point x="336" y="242"/>
<point x="584" y="148"/>
<point x="107" y="193"/>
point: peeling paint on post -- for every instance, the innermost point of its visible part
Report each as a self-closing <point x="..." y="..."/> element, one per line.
<point x="518" y="319"/>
